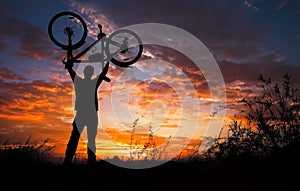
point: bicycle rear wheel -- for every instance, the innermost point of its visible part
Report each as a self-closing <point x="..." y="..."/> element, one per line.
<point x="124" y="47"/>
<point x="65" y="23"/>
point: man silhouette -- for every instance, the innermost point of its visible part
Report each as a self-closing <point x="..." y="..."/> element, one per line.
<point x="86" y="107"/>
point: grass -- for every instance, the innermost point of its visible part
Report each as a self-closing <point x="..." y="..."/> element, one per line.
<point x="29" y="152"/>
<point x="228" y="175"/>
<point x="26" y="165"/>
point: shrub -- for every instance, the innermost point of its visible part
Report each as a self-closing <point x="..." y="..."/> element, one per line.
<point x="272" y="122"/>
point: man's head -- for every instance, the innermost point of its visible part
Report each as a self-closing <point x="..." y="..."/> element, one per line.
<point x="88" y="71"/>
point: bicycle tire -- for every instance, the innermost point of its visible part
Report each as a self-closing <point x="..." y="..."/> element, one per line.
<point x="124" y="63"/>
<point x="60" y="44"/>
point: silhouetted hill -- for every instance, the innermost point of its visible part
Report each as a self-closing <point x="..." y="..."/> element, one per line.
<point x="277" y="173"/>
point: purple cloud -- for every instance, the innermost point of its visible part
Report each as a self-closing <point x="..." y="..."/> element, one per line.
<point x="25" y="39"/>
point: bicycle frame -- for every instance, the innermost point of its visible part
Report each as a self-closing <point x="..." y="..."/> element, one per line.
<point x="101" y="37"/>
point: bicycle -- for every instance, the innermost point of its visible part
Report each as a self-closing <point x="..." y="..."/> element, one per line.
<point x="68" y="30"/>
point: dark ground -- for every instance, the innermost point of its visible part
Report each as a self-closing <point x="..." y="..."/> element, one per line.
<point x="280" y="172"/>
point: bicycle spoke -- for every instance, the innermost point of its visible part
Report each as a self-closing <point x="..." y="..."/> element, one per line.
<point x="115" y="43"/>
<point x="64" y="25"/>
<point x="124" y="47"/>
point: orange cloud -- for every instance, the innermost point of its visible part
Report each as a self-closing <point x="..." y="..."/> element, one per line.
<point x="163" y="100"/>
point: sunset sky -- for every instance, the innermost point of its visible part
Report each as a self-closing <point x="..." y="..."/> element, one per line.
<point x="169" y="93"/>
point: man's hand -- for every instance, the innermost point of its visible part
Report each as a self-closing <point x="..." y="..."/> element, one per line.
<point x="68" y="64"/>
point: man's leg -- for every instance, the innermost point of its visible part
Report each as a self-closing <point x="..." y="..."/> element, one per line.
<point x="72" y="144"/>
<point x="91" y="133"/>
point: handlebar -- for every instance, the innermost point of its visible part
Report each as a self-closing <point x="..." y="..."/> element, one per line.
<point x="101" y="34"/>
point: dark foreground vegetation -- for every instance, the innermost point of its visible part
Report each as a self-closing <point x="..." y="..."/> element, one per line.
<point x="261" y="154"/>
<point x="280" y="172"/>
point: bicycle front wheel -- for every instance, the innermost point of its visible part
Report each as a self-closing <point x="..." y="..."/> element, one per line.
<point x="124" y="47"/>
<point x="64" y="25"/>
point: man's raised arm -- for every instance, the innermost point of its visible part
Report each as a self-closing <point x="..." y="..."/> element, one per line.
<point x="102" y="76"/>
